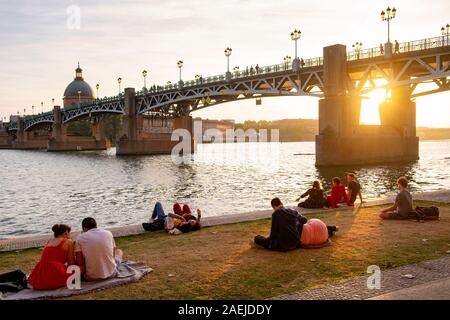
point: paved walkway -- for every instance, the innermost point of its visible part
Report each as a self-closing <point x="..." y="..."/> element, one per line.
<point x="38" y="241"/>
<point x="424" y="280"/>
<point x="435" y="290"/>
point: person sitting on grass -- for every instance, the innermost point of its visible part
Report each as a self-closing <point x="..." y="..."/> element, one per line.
<point x="174" y="223"/>
<point x="96" y="252"/>
<point x="284" y="232"/>
<point x="337" y="194"/>
<point x="315" y="199"/>
<point x="291" y="230"/>
<point x="353" y="189"/>
<point x="403" y="204"/>
<point x="51" y="270"/>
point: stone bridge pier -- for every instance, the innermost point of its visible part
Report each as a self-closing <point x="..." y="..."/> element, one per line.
<point x="342" y="140"/>
<point x="147" y="136"/>
<point x="61" y="141"/>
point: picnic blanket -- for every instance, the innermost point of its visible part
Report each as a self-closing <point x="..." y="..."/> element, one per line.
<point x="127" y="272"/>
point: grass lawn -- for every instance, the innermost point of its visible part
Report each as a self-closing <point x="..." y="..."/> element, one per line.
<point x="218" y="262"/>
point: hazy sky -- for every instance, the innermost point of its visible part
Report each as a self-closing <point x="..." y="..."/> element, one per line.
<point x="38" y="52"/>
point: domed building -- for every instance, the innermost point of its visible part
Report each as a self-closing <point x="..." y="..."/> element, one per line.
<point x="78" y="90"/>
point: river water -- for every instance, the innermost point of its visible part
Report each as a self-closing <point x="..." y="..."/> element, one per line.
<point x="38" y="188"/>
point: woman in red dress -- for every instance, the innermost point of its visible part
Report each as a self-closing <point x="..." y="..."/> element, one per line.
<point x="337" y="194"/>
<point x="51" y="270"/>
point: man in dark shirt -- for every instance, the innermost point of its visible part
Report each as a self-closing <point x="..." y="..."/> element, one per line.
<point x="353" y="188"/>
<point x="285" y="230"/>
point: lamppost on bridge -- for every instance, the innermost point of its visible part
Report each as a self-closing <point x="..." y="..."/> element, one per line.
<point x="32" y="110"/>
<point x="198" y="78"/>
<point x="287" y="61"/>
<point x="295" y="36"/>
<point x="24" y="112"/>
<point x="119" y="81"/>
<point x="42" y="107"/>
<point x="228" y="52"/>
<point x="180" y="65"/>
<point x="79" y="97"/>
<point x="97" y="86"/>
<point x="357" y="46"/>
<point x="445" y="33"/>
<point x="144" y="74"/>
<point x="388" y="16"/>
<point x="53" y="102"/>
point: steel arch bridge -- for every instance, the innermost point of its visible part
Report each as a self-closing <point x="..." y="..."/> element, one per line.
<point x="416" y="62"/>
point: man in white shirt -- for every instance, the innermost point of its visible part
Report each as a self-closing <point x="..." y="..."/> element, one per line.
<point x="96" y="252"/>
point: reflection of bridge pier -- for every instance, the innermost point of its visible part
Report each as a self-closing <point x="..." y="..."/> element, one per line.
<point x="61" y="141"/>
<point x="144" y="135"/>
<point x="342" y="141"/>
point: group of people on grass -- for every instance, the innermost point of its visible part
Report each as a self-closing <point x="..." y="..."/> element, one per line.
<point x="95" y="252"/>
<point x="291" y="230"/>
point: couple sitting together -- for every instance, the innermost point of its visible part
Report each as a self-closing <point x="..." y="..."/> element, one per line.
<point x="178" y="222"/>
<point x="94" y="252"/>
<point x="291" y="230"/>
<point x="338" y="194"/>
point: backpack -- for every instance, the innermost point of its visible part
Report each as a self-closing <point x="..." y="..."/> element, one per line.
<point x="427" y="213"/>
<point x="13" y="281"/>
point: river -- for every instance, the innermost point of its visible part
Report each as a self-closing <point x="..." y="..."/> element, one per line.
<point x="40" y="188"/>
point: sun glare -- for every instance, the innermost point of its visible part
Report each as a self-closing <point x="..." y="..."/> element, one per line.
<point x="369" y="107"/>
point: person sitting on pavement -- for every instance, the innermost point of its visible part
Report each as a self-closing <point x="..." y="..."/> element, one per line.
<point x="353" y="188"/>
<point x="403" y="204"/>
<point x="315" y="199"/>
<point x="337" y="195"/>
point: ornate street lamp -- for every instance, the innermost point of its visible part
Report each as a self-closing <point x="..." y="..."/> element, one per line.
<point x="32" y="110"/>
<point x="96" y="87"/>
<point x="144" y="74"/>
<point x="79" y="97"/>
<point x="228" y="52"/>
<point x="295" y="35"/>
<point x="357" y="46"/>
<point x="53" y="102"/>
<point x="42" y="107"/>
<point x="388" y="16"/>
<point x="287" y="61"/>
<point x="198" y="78"/>
<point x="119" y="81"/>
<point x="180" y="65"/>
<point x="445" y="33"/>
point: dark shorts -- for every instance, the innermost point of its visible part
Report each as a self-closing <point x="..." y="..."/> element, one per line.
<point x="398" y="216"/>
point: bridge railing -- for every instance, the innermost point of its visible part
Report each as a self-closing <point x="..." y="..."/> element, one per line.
<point x="239" y="74"/>
<point x="423" y="44"/>
<point x="403" y="47"/>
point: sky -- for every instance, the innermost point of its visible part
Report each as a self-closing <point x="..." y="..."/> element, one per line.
<point x="41" y="43"/>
